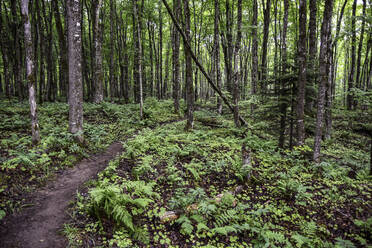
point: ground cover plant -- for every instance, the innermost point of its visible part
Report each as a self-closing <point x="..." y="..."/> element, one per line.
<point x="173" y="188"/>
<point x="24" y="167"/>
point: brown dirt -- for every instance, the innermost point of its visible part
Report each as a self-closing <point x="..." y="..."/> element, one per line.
<point x="40" y="225"/>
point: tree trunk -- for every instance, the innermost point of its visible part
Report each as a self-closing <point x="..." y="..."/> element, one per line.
<point x="310" y="93"/>
<point x="265" y="39"/>
<point x="229" y="48"/>
<point x="151" y="45"/>
<point x="176" y="57"/>
<point x="188" y="62"/>
<point x="160" y="53"/>
<point x="17" y="51"/>
<point x="30" y="70"/>
<point x="236" y="67"/>
<point x="350" y="95"/>
<point x="283" y="101"/>
<point x="97" y="52"/>
<point x="138" y="55"/>
<point x="198" y="64"/>
<point x="216" y="49"/>
<point x="254" y="70"/>
<point x="325" y="35"/>
<point x="63" y="65"/>
<point x="301" y="74"/>
<point x="112" y="51"/>
<point x="75" y="75"/>
<point x="360" y="47"/>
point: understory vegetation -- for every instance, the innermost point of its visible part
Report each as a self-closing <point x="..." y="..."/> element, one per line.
<point x="24" y="167"/>
<point x="219" y="186"/>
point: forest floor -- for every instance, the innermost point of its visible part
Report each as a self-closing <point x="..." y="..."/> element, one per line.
<point x="213" y="186"/>
<point x="39" y="225"/>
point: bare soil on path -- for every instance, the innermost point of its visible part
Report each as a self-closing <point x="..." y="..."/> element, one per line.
<point x="40" y="225"/>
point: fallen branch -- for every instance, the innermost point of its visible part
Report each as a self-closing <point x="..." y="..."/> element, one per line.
<point x="201" y="68"/>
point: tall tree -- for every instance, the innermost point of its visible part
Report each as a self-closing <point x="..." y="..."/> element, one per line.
<point x="97" y="51"/>
<point x="283" y="101"/>
<point x="63" y="64"/>
<point x="112" y="51"/>
<point x="265" y="39"/>
<point x="325" y="35"/>
<point x="236" y="67"/>
<point x="301" y="73"/>
<point x="75" y="75"/>
<point x="138" y="54"/>
<point x="310" y="92"/>
<point x="254" y="70"/>
<point x="188" y="83"/>
<point x="30" y="71"/>
<point x="176" y="56"/>
<point x="360" y="46"/>
<point x="216" y="49"/>
<point x="350" y="97"/>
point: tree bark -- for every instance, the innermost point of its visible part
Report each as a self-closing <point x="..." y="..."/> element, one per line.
<point x="310" y="93"/>
<point x="97" y="52"/>
<point x="138" y="55"/>
<point x="160" y="53"/>
<point x="30" y="70"/>
<point x="188" y="84"/>
<point x="75" y="75"/>
<point x="254" y="70"/>
<point x="301" y="73"/>
<point x="236" y="67"/>
<point x="176" y="57"/>
<point x="350" y="95"/>
<point x="325" y="35"/>
<point x="283" y="101"/>
<point x="216" y="49"/>
<point x="63" y="65"/>
<point x="265" y="39"/>
<point x="360" y="47"/>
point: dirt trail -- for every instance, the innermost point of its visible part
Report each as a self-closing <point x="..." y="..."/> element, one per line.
<point x="39" y="225"/>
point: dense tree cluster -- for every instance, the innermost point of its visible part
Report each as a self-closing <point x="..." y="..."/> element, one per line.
<point x="304" y="56"/>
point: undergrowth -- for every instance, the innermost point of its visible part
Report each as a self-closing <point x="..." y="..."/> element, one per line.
<point x="279" y="199"/>
<point x="24" y="167"/>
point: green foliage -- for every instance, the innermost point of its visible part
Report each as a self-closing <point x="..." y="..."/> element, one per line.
<point x="111" y="202"/>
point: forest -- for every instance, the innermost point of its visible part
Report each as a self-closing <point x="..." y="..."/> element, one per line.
<point x="185" y="123"/>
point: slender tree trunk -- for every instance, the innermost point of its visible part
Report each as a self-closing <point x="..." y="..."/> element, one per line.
<point x="176" y="57"/>
<point x="360" y="47"/>
<point x="138" y="55"/>
<point x="283" y="101"/>
<point x="229" y="48"/>
<point x="97" y="52"/>
<point x="112" y="51"/>
<point x="188" y="62"/>
<point x="160" y="52"/>
<point x="30" y="73"/>
<point x="165" y="88"/>
<point x="63" y="65"/>
<point x="75" y="69"/>
<point x="310" y="93"/>
<point x="350" y="95"/>
<point x="216" y="49"/>
<point x="198" y="64"/>
<point x="151" y="45"/>
<point x="236" y="67"/>
<point x="254" y="70"/>
<point x="41" y="54"/>
<point x="325" y="35"/>
<point x="265" y="39"/>
<point x="17" y="51"/>
<point x="301" y="74"/>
